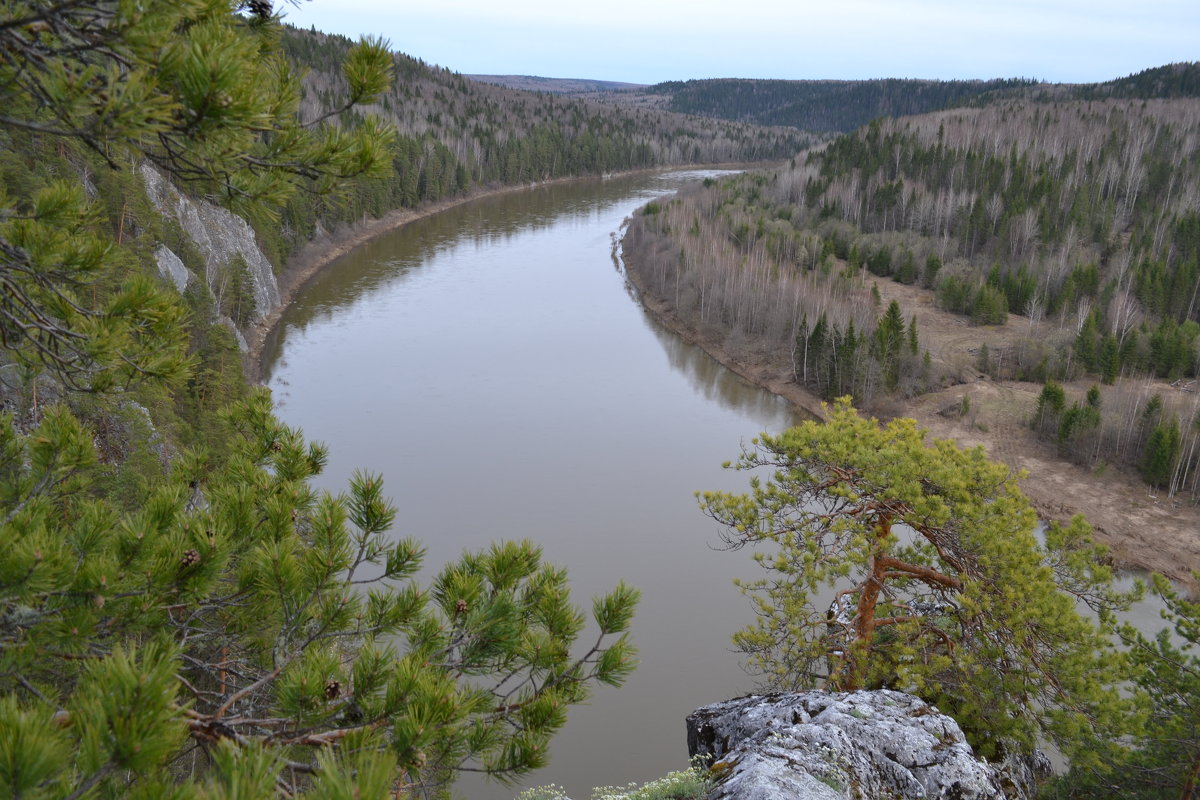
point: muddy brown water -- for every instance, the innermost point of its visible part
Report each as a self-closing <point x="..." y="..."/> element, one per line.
<point x="491" y="363"/>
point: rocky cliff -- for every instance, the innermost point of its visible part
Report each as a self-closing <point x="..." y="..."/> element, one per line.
<point x="234" y="263"/>
<point x="851" y="746"/>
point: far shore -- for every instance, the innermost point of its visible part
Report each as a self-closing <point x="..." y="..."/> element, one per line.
<point x="318" y="254"/>
<point x="1144" y="531"/>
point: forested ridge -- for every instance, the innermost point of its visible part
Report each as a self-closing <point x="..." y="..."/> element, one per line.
<point x="833" y="106"/>
<point x="183" y="615"/>
<point x="828" y="106"/>
<point x="456" y="135"/>
<point x="1080" y="214"/>
<point x="1072" y="222"/>
<point x="1170" y="81"/>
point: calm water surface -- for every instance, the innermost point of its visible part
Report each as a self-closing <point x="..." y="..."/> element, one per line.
<point x="491" y="363"/>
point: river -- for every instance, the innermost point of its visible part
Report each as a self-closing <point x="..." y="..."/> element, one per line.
<point x="492" y="364"/>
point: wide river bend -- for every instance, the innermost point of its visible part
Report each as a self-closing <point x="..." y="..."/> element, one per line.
<point x="492" y="364"/>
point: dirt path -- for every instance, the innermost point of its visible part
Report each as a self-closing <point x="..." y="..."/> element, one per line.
<point x="1142" y="530"/>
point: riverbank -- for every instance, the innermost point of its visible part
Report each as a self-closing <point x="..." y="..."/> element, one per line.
<point x="1143" y="530"/>
<point x="319" y="253"/>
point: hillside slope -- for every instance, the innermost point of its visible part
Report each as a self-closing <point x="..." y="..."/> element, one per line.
<point x="834" y="106"/>
<point x="457" y="135"/>
<point x="1025" y="243"/>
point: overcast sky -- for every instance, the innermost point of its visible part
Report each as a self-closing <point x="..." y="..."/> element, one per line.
<point x="647" y="41"/>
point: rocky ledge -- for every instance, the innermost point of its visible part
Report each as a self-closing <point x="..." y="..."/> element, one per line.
<point x="867" y="744"/>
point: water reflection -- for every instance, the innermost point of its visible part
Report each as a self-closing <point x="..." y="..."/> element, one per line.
<point x="379" y="265"/>
<point x="712" y="380"/>
<point x="490" y="364"/>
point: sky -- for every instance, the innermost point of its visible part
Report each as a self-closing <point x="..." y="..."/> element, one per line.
<point x="648" y="41"/>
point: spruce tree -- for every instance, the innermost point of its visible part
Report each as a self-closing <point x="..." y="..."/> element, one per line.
<point x="1162" y="448"/>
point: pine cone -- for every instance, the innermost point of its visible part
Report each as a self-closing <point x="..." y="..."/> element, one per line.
<point x="333" y="690"/>
<point x="190" y="558"/>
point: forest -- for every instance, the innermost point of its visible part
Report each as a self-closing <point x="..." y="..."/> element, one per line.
<point x="455" y="135"/>
<point x="830" y="106"/>
<point x="183" y="615"/>
<point x="1077" y="215"/>
<point x="826" y="106"/>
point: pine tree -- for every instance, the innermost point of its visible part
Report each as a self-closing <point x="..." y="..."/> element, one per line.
<point x="279" y="629"/>
<point x="193" y="88"/>
<point x="222" y="629"/>
<point x="1164" y="759"/>
<point x="967" y="610"/>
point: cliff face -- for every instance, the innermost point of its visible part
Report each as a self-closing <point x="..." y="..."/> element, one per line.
<point x="831" y="746"/>
<point x="233" y="260"/>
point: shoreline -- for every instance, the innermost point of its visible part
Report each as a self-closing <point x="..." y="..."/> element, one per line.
<point x="1142" y="531"/>
<point x="311" y="259"/>
<point x="758" y="374"/>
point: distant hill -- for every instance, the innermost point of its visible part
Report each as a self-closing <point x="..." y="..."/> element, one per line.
<point x="833" y="106"/>
<point x="457" y="135"/>
<point x="828" y="106"/>
<point x="1168" y="82"/>
<point x="532" y="83"/>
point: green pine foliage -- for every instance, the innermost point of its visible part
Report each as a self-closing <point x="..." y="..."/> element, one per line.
<point x="240" y="611"/>
<point x="181" y="613"/>
<point x="1164" y="759"/>
<point x="941" y="588"/>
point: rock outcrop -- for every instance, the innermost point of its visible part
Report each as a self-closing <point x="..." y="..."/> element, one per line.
<point x="827" y="746"/>
<point x="220" y="235"/>
<point x="172" y="268"/>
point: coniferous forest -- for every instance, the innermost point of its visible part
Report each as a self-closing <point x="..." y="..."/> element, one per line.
<point x="1079" y="215"/>
<point x="455" y="135"/>
<point x="183" y="615"/>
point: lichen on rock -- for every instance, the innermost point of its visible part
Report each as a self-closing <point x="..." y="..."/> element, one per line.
<point x="843" y="746"/>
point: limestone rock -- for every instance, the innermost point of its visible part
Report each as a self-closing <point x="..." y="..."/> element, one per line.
<point x="827" y="746"/>
<point x="170" y="266"/>
<point x="242" y="344"/>
<point x="220" y="235"/>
